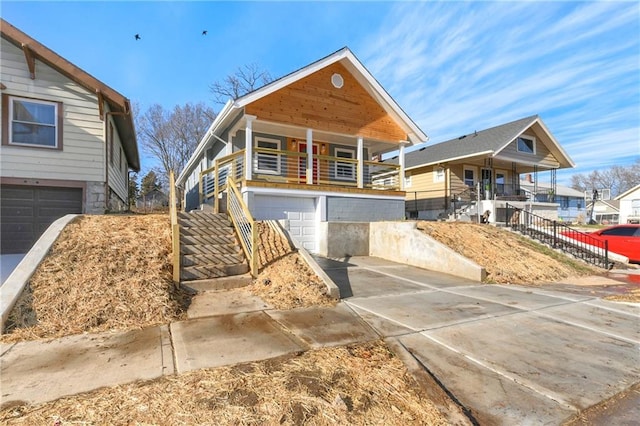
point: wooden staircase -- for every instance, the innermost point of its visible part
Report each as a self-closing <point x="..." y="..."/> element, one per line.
<point x="211" y="256"/>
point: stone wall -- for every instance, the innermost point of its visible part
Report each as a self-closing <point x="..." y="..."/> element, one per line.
<point x="95" y="199"/>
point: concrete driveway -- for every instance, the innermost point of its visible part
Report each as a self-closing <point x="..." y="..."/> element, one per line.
<point x="507" y="354"/>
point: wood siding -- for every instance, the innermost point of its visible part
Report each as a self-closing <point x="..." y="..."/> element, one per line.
<point x="82" y="157"/>
<point x="119" y="169"/>
<point x="543" y="157"/>
<point x="313" y="102"/>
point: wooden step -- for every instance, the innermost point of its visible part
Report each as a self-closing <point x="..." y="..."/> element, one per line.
<point x="195" y="223"/>
<point x="215" y="284"/>
<point x="199" y="272"/>
<point x="199" y="231"/>
<point x="208" y="240"/>
<point x="210" y="249"/>
<point x="212" y="259"/>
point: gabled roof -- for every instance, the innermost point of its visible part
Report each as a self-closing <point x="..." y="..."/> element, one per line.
<point x="361" y="74"/>
<point x="561" y="190"/>
<point x="234" y="107"/>
<point x="629" y="191"/>
<point x="489" y="142"/>
<point x="116" y="101"/>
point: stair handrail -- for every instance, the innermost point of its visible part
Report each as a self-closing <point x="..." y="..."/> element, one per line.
<point x="175" y="229"/>
<point x="559" y="236"/>
<point x="244" y="224"/>
<point x="229" y="165"/>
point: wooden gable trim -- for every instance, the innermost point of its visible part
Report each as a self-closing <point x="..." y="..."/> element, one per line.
<point x="313" y="102"/>
<point x="35" y="50"/>
<point x="31" y="61"/>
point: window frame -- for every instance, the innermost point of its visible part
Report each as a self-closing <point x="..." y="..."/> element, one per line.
<point x="529" y="138"/>
<point x="439" y="174"/>
<point x="341" y="165"/>
<point x="7" y="121"/>
<point x="277" y="157"/>
<point x="474" y="171"/>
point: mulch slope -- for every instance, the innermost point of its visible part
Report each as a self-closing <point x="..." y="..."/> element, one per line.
<point x="508" y="258"/>
<point x="109" y="272"/>
<point x="358" y="384"/>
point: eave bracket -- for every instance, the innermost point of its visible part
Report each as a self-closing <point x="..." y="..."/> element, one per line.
<point x="31" y="60"/>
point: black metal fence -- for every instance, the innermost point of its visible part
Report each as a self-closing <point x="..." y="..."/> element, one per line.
<point x="559" y="236"/>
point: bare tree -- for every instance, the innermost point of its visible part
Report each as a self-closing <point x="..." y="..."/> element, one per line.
<point x="617" y="178"/>
<point x="245" y="79"/>
<point x="171" y="136"/>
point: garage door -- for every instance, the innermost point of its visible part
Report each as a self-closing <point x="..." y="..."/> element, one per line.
<point x="27" y="211"/>
<point x="299" y="212"/>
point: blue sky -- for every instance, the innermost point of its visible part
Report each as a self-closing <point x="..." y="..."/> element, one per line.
<point x="454" y="67"/>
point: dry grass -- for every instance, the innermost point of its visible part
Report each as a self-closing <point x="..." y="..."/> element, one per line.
<point x="360" y="384"/>
<point x="285" y="280"/>
<point x="507" y="258"/>
<point x="103" y="273"/>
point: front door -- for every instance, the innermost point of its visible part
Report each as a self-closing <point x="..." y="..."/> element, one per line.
<point x="302" y="168"/>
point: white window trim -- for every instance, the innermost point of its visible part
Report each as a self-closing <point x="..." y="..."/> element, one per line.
<point x="352" y="166"/>
<point x="278" y="142"/>
<point x="34" y="101"/>
<point x="437" y="178"/>
<point x="474" y="170"/>
<point x="407" y="181"/>
<point x="532" y="139"/>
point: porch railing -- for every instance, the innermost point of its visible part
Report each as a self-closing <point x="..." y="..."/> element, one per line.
<point x="213" y="180"/>
<point x="244" y="224"/>
<point x="175" y="229"/>
<point x="559" y="236"/>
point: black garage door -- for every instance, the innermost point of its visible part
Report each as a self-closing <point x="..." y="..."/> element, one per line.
<point x="27" y="211"/>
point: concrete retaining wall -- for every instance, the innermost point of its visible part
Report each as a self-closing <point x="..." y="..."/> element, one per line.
<point x="16" y="282"/>
<point x="343" y="239"/>
<point x="402" y="242"/>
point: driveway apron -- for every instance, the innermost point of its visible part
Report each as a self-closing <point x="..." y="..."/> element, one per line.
<point x="507" y="354"/>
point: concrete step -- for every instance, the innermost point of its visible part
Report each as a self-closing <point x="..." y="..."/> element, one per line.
<point x="212" y="259"/>
<point x="201" y="272"/>
<point x="210" y="249"/>
<point x="215" y="284"/>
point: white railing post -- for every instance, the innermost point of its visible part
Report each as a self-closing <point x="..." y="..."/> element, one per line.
<point x="401" y="171"/>
<point x="248" y="141"/>
<point x="309" y="157"/>
<point x="360" y="166"/>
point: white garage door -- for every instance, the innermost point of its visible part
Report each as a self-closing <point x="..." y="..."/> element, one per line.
<point x="299" y="212"/>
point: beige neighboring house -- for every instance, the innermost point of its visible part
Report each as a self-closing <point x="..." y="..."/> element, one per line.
<point x="630" y="205"/>
<point x="68" y="141"/>
<point x="481" y="171"/>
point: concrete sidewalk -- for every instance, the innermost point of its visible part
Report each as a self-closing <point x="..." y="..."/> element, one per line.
<point x="38" y="371"/>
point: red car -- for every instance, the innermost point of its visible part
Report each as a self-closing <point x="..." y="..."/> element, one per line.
<point x="622" y="239"/>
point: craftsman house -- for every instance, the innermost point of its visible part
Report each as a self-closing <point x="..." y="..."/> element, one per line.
<point x="304" y="149"/>
<point x="68" y="141"/>
<point x="481" y="171"/>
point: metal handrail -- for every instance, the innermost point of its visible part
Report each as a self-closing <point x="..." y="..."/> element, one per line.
<point x="244" y="224"/>
<point x="559" y="236"/>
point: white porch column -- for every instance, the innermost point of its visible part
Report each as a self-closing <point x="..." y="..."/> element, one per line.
<point x="401" y="158"/>
<point x="360" y="158"/>
<point x="248" y="147"/>
<point x="309" y="157"/>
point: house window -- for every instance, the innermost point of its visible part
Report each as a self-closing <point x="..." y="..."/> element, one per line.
<point x="407" y="181"/>
<point x="32" y="122"/>
<point x="527" y="144"/>
<point x="343" y="169"/>
<point x="438" y="174"/>
<point x="501" y="178"/>
<point x="268" y="162"/>
<point x="469" y="177"/>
